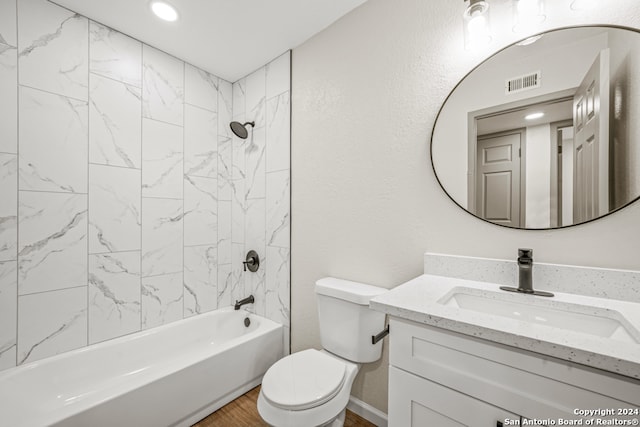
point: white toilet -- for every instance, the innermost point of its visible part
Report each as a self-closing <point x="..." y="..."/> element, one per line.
<point x="312" y="387"/>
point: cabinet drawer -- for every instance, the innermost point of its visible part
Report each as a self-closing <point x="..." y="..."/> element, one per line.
<point x="414" y="401"/>
<point x="530" y="384"/>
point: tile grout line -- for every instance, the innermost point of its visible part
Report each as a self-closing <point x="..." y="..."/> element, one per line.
<point x="184" y="122"/>
<point x="88" y="166"/>
<point x="17" y="124"/>
<point x="142" y="97"/>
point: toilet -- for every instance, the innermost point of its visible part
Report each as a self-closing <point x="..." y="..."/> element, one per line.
<point x="312" y="387"/>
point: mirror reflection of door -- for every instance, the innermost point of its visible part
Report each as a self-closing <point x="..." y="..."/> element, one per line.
<point x="591" y="150"/>
<point x="561" y="173"/>
<point x="532" y="198"/>
<point x="498" y="181"/>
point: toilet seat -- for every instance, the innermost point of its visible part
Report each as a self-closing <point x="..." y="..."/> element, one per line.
<point x="303" y="380"/>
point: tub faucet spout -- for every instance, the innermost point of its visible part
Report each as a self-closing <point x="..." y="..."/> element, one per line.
<point x="247" y="300"/>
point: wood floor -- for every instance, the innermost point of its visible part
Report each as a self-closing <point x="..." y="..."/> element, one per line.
<point x="243" y="412"/>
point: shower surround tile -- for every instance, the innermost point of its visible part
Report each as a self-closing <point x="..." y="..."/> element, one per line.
<point x="200" y="88"/>
<point x="225" y="285"/>
<point x="52" y="243"/>
<point x="162" y="159"/>
<point x="225" y="107"/>
<point x="114" y="55"/>
<point x="224" y="232"/>
<point x="8" y="23"/>
<point x="278" y="284"/>
<point x="9" y="98"/>
<point x="200" y="142"/>
<point x="53" y="142"/>
<point x="238" y="211"/>
<point x="141" y="143"/>
<point x="115" y="124"/>
<point x="255" y="164"/>
<point x="53" y="48"/>
<point x="162" y="86"/>
<point x="225" y="165"/>
<point x="200" y="279"/>
<point x="162" y="300"/>
<point x="114" y="209"/>
<point x="256" y="225"/>
<point x="8" y="313"/>
<point x="239" y="99"/>
<point x="8" y="207"/>
<point x="256" y="97"/>
<point x="238" y="255"/>
<point x="278" y="129"/>
<point x="50" y="323"/>
<point x="162" y="236"/>
<point x="114" y="295"/>
<point x="255" y="284"/>
<point x="200" y="211"/>
<point x="278" y="203"/>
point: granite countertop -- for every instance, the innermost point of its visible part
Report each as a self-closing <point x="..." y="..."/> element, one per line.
<point x="422" y="300"/>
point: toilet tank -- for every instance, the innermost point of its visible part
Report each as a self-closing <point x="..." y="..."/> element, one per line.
<point x="346" y="321"/>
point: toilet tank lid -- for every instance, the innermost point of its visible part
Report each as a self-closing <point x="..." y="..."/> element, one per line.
<point x="358" y="293"/>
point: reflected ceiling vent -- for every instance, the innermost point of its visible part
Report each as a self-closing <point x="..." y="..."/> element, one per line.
<point x="522" y="83"/>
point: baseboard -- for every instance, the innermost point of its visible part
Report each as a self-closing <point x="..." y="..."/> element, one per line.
<point x="367" y="412"/>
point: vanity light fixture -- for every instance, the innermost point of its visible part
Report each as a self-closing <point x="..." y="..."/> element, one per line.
<point x="477" y="31"/>
<point x="533" y="116"/>
<point x="164" y="11"/>
<point x="527" y="15"/>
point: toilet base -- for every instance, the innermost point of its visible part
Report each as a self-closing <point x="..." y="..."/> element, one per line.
<point x="331" y="413"/>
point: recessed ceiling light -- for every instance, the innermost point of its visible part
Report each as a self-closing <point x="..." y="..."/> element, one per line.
<point x="533" y="116"/>
<point x="164" y="11"/>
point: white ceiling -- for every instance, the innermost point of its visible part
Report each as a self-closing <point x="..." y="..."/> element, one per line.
<point x="229" y="38"/>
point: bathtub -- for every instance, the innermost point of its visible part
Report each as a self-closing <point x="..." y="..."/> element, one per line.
<point x="172" y="375"/>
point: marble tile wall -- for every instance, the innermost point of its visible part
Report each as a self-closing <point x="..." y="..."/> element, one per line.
<point x="126" y="203"/>
<point x="260" y="189"/>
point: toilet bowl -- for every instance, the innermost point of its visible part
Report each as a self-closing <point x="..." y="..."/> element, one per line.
<point x="312" y="387"/>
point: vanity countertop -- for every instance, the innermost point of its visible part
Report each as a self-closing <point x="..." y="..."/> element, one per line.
<point x="424" y="298"/>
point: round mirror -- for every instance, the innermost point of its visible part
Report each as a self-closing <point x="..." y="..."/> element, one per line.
<point x="546" y="132"/>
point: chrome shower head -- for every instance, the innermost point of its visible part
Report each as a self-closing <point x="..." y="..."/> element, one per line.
<point x="240" y="129"/>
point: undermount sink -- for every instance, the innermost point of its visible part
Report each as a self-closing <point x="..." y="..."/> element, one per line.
<point x="584" y="319"/>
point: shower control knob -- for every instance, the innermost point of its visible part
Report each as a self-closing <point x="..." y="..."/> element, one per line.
<point x="252" y="261"/>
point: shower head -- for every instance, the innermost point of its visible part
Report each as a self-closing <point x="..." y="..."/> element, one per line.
<point x="240" y="129"/>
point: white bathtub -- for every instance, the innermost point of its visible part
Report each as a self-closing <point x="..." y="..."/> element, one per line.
<point x="173" y="375"/>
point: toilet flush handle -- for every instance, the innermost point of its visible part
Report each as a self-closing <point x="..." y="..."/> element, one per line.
<point x="381" y="335"/>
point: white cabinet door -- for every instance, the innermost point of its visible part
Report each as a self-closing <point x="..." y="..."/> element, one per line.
<point x="417" y="402"/>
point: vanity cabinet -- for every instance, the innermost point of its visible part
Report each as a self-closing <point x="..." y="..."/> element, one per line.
<point x="443" y="378"/>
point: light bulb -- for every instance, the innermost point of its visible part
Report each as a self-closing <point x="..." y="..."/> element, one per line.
<point x="527" y="14"/>
<point x="477" y="31"/>
<point x="164" y="11"/>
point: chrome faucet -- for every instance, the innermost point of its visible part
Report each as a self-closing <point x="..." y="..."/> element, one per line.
<point x="247" y="300"/>
<point x="525" y="275"/>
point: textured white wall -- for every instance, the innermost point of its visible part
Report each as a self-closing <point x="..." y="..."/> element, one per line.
<point x="365" y="202"/>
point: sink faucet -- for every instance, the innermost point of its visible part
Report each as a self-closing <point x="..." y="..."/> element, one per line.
<point x="525" y="270"/>
<point x="247" y="300"/>
<point x="525" y="275"/>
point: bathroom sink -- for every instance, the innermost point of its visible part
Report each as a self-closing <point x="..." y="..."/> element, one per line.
<point x="591" y="320"/>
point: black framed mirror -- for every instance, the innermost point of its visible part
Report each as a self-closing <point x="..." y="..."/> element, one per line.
<point x="546" y="132"/>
